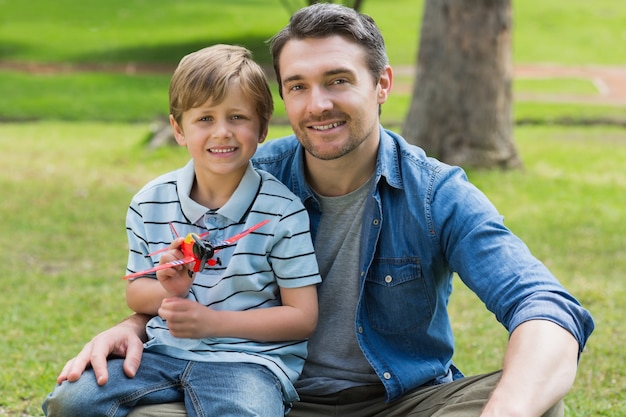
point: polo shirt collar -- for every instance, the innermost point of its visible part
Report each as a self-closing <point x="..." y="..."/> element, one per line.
<point x="236" y="208"/>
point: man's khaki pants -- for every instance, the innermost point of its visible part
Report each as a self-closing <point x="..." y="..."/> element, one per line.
<point x="465" y="397"/>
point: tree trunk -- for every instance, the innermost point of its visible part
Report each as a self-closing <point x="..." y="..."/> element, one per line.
<point x="461" y="108"/>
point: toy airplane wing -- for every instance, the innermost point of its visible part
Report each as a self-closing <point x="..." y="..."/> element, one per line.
<point x="201" y="235"/>
<point x="184" y="261"/>
<point x="233" y="239"/>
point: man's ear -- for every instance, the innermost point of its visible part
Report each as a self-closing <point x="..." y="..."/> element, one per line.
<point x="385" y="82"/>
<point x="179" y="135"/>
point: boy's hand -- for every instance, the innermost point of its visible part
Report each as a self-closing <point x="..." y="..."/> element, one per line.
<point x="186" y="318"/>
<point x="176" y="280"/>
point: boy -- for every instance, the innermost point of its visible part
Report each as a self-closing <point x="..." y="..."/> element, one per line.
<point x="217" y="341"/>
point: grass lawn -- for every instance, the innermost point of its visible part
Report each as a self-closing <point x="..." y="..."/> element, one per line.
<point x="72" y="155"/>
<point x="63" y="232"/>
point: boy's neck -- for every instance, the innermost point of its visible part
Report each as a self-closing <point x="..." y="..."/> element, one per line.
<point x="214" y="193"/>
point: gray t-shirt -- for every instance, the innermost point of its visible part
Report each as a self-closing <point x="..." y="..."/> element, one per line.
<point x="335" y="361"/>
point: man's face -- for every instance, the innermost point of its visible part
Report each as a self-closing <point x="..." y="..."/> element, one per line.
<point x="331" y="99"/>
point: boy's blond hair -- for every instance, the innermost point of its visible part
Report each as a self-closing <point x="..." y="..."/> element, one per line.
<point x="204" y="75"/>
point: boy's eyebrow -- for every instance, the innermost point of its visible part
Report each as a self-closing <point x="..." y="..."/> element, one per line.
<point x="329" y="73"/>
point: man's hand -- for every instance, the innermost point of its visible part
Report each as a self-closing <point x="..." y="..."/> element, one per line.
<point x="123" y="340"/>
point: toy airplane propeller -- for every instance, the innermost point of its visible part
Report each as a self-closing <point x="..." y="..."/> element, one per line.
<point x="196" y="250"/>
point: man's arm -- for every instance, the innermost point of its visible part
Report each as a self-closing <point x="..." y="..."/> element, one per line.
<point x="124" y="340"/>
<point x="539" y="369"/>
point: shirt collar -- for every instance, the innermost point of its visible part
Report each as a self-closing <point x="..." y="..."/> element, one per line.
<point x="237" y="206"/>
<point x="388" y="159"/>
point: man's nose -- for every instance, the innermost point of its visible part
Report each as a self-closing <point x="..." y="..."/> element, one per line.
<point x="319" y="100"/>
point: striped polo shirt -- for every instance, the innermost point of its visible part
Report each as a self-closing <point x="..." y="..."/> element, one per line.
<point x="248" y="273"/>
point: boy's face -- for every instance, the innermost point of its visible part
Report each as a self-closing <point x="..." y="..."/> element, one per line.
<point x="331" y="99"/>
<point x="221" y="137"/>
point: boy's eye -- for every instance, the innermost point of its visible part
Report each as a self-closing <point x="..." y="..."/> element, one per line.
<point x="206" y="119"/>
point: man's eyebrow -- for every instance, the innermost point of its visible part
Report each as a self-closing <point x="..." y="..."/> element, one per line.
<point x="329" y="73"/>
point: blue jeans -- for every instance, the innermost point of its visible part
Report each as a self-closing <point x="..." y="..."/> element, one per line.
<point x="207" y="389"/>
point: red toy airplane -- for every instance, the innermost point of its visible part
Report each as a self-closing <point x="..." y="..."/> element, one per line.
<point x="196" y="250"/>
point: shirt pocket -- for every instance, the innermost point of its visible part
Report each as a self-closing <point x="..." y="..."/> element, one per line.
<point x="396" y="296"/>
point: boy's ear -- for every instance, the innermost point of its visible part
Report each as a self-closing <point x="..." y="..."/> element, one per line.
<point x="263" y="134"/>
<point x="179" y="135"/>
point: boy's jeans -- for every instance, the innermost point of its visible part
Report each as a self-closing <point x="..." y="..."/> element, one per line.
<point x="206" y="388"/>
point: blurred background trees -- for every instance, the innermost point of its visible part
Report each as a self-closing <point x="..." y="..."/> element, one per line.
<point x="461" y="107"/>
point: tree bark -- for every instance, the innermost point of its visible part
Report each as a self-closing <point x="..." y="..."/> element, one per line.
<point x="461" y="108"/>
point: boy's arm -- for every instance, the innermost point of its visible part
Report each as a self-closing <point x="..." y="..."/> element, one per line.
<point x="295" y="319"/>
<point x="144" y="295"/>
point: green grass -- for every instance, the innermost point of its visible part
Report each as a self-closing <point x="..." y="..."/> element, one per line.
<point x="121" y="31"/>
<point x="63" y="236"/>
<point x="69" y="170"/>
<point x="134" y="32"/>
<point x="569" y="32"/>
<point x="568" y="205"/>
<point x="579" y="86"/>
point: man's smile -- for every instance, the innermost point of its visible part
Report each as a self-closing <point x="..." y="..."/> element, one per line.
<point x="327" y="126"/>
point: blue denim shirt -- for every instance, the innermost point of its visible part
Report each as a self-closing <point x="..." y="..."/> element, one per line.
<point x="424" y="221"/>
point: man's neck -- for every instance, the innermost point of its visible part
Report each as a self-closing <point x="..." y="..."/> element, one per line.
<point x="340" y="176"/>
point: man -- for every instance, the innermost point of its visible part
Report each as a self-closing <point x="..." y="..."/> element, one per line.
<point x="390" y="227"/>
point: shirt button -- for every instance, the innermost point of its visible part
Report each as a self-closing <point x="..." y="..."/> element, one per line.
<point x="387" y="375"/>
<point x="360" y="329"/>
<point x="376" y="221"/>
<point x="388" y="279"/>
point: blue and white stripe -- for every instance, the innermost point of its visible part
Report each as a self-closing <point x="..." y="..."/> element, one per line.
<point x="278" y="254"/>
